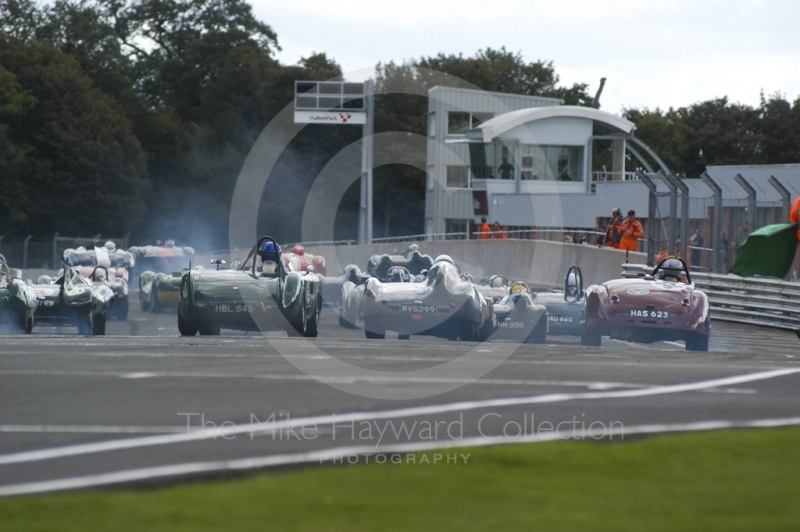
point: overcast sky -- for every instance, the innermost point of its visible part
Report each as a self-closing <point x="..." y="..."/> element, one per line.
<point x="655" y="53"/>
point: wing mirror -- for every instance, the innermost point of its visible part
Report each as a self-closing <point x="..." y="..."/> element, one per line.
<point x="648" y="277"/>
<point x="218" y="262"/>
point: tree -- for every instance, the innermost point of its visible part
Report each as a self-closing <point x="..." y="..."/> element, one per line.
<point x="780" y="124"/>
<point x="82" y="169"/>
<point x="661" y="133"/>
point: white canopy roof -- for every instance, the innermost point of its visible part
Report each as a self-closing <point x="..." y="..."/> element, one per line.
<point x="500" y="124"/>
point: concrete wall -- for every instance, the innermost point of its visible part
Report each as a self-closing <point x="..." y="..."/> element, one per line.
<point x="539" y="263"/>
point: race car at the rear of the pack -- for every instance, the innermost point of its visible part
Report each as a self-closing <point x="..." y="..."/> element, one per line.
<point x="519" y="317"/>
<point x="17" y="301"/>
<point x="564" y="308"/>
<point x="166" y="258"/>
<point x="444" y="305"/>
<point x="158" y="291"/>
<point x="254" y="297"/>
<point x="105" y="265"/>
<point x="413" y="261"/>
<point x="72" y="301"/>
<point x="662" y="306"/>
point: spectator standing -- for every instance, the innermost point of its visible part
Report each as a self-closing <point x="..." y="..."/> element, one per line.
<point x="506" y="170"/>
<point x="485" y="230"/>
<point x="740" y="238"/>
<point x="497" y="232"/>
<point x="613" y="236"/>
<point x="631" y="231"/>
<point x="696" y="242"/>
<point x="600" y="234"/>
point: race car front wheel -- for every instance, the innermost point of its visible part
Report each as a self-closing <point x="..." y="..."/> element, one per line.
<point x="185" y="327"/>
<point x="591" y="338"/>
<point x="696" y="342"/>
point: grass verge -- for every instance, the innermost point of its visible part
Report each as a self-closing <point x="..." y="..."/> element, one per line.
<point x="727" y="481"/>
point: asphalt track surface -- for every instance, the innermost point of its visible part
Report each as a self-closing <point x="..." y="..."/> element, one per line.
<point x="145" y="406"/>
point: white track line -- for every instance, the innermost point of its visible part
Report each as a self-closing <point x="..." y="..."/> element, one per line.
<point x="341" y="379"/>
<point x="95" y="429"/>
<point x="146" y="441"/>
<point x="328" y="455"/>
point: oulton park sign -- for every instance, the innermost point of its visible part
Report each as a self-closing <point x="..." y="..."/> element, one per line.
<point x="329" y="117"/>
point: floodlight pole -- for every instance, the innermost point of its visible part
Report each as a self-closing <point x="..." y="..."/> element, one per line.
<point x="365" y="205"/>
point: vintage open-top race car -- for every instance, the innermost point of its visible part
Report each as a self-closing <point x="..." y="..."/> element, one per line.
<point x="351" y="296"/>
<point x="300" y="260"/>
<point x="664" y="305"/>
<point x="353" y="292"/>
<point x="72" y="300"/>
<point x="564" y="308"/>
<point x="412" y="260"/>
<point x="444" y="304"/>
<point x="251" y="298"/>
<point x="17" y="301"/>
<point x="519" y="317"/>
<point x="113" y="272"/>
<point x="161" y="259"/>
<point x="496" y="287"/>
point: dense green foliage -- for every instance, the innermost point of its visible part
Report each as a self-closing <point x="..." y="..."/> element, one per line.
<point x="725" y="481"/>
<point x="136" y="116"/>
<point x="717" y="132"/>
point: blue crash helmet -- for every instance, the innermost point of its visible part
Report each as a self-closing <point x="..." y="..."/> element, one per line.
<point x="267" y="252"/>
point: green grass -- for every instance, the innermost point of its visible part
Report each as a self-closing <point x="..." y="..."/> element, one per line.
<point x="727" y="481"/>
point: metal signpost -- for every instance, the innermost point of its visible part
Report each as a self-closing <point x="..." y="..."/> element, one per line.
<point x="342" y="102"/>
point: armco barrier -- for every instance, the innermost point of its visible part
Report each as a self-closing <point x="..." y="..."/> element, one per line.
<point x="539" y="263"/>
<point x="753" y="300"/>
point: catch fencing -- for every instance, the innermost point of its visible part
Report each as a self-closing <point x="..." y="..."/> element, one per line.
<point x="751" y="300"/>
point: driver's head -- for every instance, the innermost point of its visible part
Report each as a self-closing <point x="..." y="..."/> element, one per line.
<point x="671" y="270"/>
<point x="572" y="284"/>
<point x="269" y="252"/>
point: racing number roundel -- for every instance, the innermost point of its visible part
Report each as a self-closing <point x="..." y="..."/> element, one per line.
<point x="638" y="291"/>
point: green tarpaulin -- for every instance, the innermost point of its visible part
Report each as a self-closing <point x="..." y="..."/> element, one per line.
<point x="769" y="251"/>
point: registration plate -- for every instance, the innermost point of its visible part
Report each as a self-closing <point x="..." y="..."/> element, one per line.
<point x="657" y="314"/>
<point x="45" y="303"/>
<point x="418" y="309"/>
<point x="234" y="308"/>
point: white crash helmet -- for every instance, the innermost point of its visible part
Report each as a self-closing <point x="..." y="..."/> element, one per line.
<point x="445" y="258"/>
<point x="572" y="284"/>
<point x="671" y="270"/>
<point x="110" y="246"/>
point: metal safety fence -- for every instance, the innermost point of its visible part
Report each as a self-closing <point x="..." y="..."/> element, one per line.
<point x="751" y="300"/>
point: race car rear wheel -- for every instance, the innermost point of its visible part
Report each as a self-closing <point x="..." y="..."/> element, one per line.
<point x="373" y="334"/>
<point x="120" y="309"/>
<point x="696" y="342"/>
<point x="591" y="338"/>
<point x="29" y="325"/>
<point x="312" y="329"/>
<point x="99" y="325"/>
<point x="84" y="325"/>
<point x="155" y="304"/>
<point x="466" y="331"/>
<point x="186" y="327"/>
<point x="145" y="303"/>
<point x="539" y="333"/>
<point x="207" y="329"/>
